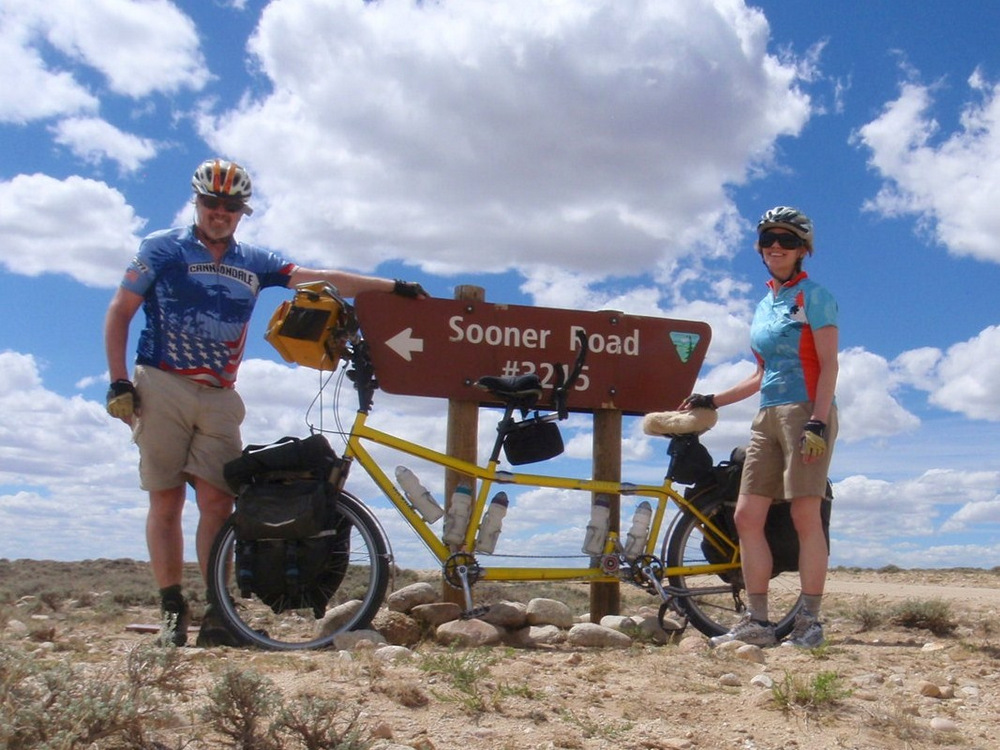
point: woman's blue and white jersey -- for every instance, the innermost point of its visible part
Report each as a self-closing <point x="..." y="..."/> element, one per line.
<point x="781" y="337"/>
<point x="197" y="312"/>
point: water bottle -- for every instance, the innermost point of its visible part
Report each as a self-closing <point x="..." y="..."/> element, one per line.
<point x="456" y="519"/>
<point x="597" y="529"/>
<point x="489" y="530"/>
<point x="635" y="542"/>
<point x="418" y="495"/>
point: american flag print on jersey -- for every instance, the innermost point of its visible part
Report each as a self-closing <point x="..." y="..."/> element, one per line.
<point x="197" y="311"/>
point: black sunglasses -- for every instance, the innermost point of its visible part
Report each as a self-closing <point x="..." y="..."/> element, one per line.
<point x="786" y="241"/>
<point x="211" y="202"/>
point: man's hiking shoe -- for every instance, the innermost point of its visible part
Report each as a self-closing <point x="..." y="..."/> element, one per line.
<point x="175" y="616"/>
<point x="749" y="631"/>
<point x="215" y="632"/>
<point x="806" y="633"/>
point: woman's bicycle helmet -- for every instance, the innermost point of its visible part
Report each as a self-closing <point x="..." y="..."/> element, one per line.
<point x="786" y="217"/>
<point x="223" y="179"/>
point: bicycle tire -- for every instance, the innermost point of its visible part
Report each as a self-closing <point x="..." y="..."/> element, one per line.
<point x="362" y="574"/>
<point x="711" y="612"/>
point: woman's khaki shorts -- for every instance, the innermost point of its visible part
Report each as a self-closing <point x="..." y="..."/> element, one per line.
<point x="774" y="466"/>
<point x="184" y="429"/>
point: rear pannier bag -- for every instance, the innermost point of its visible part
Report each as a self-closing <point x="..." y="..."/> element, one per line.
<point x="292" y="547"/>
<point x="723" y="481"/>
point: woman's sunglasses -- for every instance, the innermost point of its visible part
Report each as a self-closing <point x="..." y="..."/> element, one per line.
<point x="786" y="241"/>
<point x="211" y="202"/>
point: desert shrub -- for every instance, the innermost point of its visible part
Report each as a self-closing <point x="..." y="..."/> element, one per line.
<point x="466" y="672"/>
<point x="316" y="723"/>
<point x="45" y="706"/>
<point x="869" y="615"/>
<point x="240" y="708"/>
<point x="819" y="690"/>
<point x="933" y="615"/>
<point x="250" y="713"/>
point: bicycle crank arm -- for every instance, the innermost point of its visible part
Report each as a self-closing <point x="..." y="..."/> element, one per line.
<point x="461" y="571"/>
<point x="470" y="612"/>
<point x="647" y="571"/>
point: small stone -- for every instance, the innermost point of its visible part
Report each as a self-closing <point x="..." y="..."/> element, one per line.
<point x="941" y="724"/>
<point x="762" y="681"/>
<point x="752" y="653"/>
<point x="730" y="680"/>
<point x="929" y="689"/>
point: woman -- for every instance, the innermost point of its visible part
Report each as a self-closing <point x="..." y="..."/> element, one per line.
<point x="794" y="340"/>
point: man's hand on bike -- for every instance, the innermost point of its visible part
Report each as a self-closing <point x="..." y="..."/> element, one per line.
<point x="813" y="441"/>
<point x="698" y="401"/>
<point x="122" y="400"/>
<point x="411" y="289"/>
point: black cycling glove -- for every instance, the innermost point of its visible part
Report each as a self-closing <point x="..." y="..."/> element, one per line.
<point x="698" y="401"/>
<point x="411" y="289"/>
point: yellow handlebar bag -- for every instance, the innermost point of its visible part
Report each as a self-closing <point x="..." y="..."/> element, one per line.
<point x="308" y="329"/>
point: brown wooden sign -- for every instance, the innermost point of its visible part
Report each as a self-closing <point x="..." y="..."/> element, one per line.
<point x="440" y="347"/>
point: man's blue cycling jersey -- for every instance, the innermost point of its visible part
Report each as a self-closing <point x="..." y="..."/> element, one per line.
<point x="781" y="337"/>
<point x="197" y="311"/>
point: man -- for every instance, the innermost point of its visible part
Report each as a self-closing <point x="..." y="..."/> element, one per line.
<point x="197" y="286"/>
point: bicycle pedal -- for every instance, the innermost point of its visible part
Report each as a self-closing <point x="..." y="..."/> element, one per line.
<point x="472" y="614"/>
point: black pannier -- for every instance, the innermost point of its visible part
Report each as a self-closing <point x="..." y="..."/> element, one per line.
<point x="723" y="481"/>
<point x="292" y="547"/>
<point x="290" y="457"/>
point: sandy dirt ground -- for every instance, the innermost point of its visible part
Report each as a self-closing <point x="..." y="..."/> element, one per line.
<point x="876" y="685"/>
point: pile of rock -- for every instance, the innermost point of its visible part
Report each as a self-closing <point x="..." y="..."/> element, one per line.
<point x="415" y="613"/>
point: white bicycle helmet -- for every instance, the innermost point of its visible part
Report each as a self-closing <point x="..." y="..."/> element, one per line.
<point x="223" y="179"/>
<point x="786" y="217"/>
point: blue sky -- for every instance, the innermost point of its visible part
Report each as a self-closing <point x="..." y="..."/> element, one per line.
<point x="581" y="155"/>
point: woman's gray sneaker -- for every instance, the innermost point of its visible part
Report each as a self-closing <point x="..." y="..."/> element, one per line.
<point x="749" y="631"/>
<point x="806" y="633"/>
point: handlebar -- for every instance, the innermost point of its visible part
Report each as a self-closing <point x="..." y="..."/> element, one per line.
<point x="560" y="394"/>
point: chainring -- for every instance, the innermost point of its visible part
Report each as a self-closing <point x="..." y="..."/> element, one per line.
<point x="454" y="565"/>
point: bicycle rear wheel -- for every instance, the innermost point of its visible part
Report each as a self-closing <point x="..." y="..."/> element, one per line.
<point x="715" y="602"/>
<point x="358" y="567"/>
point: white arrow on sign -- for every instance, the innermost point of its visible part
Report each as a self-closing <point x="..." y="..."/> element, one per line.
<point x="404" y="344"/>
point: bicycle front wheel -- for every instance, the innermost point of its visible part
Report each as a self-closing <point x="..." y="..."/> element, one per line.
<point x="714" y="602"/>
<point x="355" y="575"/>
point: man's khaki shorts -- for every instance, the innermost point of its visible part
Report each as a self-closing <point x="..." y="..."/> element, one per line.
<point x="184" y="430"/>
<point x="774" y="466"/>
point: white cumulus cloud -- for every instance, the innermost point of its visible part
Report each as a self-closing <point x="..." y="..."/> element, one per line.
<point x="96" y="234"/>
<point x="914" y="159"/>
<point x="484" y="136"/>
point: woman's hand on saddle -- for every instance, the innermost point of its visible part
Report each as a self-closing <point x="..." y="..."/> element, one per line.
<point x="698" y="401"/>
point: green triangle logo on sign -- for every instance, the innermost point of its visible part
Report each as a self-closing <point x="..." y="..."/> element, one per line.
<point x="685" y="344"/>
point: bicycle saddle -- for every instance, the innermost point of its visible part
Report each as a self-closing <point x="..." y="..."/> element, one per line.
<point x="517" y="389"/>
<point x="670" y="423"/>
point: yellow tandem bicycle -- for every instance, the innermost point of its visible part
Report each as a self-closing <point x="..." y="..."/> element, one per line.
<point x="687" y="556"/>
